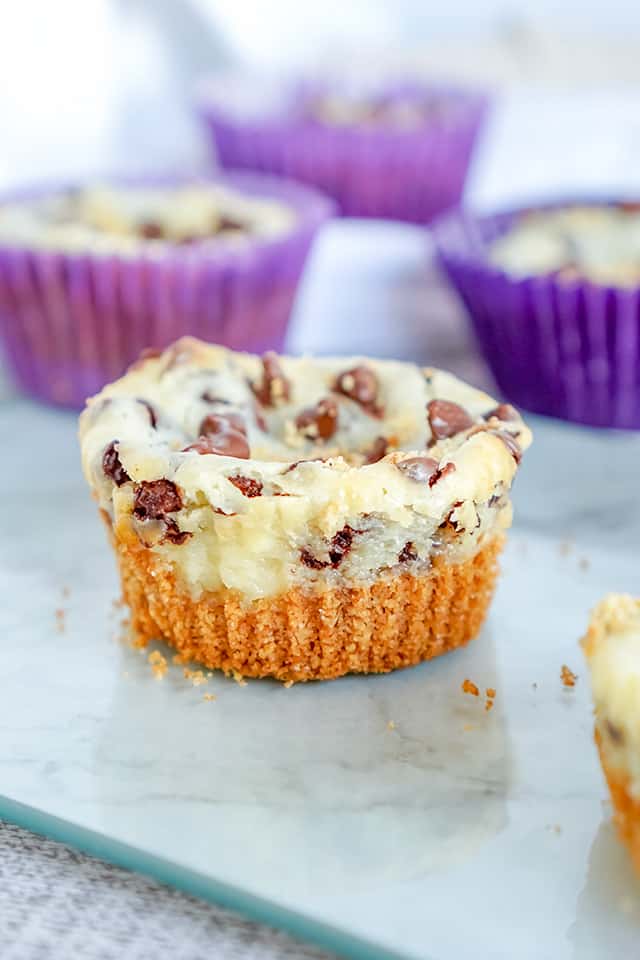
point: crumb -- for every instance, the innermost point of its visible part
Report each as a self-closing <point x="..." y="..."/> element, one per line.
<point x="391" y="725"/>
<point x="491" y="693"/>
<point x="125" y="674"/>
<point x="239" y="679"/>
<point x="469" y="687"/>
<point x="555" y="828"/>
<point x="488" y="705"/>
<point x="585" y="563"/>
<point x="158" y="663"/>
<point x="567" y="676"/>
<point x="66" y="591"/>
<point x="565" y="547"/>
<point x="60" y="624"/>
<point x="117" y="603"/>
<point x="209" y="673"/>
<point x="287" y="684"/>
<point x="197" y="677"/>
<point x="534" y="686"/>
<point x="468" y="726"/>
<point x="209" y="697"/>
<point x="179" y="659"/>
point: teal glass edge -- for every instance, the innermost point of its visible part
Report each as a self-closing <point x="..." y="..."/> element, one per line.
<point x="190" y="881"/>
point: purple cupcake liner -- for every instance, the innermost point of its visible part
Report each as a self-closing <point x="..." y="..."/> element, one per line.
<point x="72" y="322"/>
<point x="411" y="174"/>
<point x="566" y="349"/>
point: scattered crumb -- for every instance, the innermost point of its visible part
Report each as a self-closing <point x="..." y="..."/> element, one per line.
<point x="567" y="676"/>
<point x="554" y="828"/>
<point x="534" y="686"/>
<point x="60" y="622"/>
<point x="209" y="674"/>
<point x="391" y="725"/>
<point x="66" y="591"/>
<point x="468" y="726"/>
<point x="565" y="547"/>
<point x="488" y="705"/>
<point x="209" y="697"/>
<point x="585" y="563"/>
<point x="239" y="679"/>
<point x="287" y="684"/>
<point x="197" y="677"/>
<point x="158" y="663"/>
<point x="117" y="603"/>
<point x="490" y="694"/>
<point x="469" y="687"/>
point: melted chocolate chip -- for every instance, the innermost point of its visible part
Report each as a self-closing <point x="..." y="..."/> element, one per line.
<point x="112" y="466"/>
<point x="510" y="443"/>
<point x="319" y="422"/>
<point x="377" y="450"/>
<point x="408" y="553"/>
<point x="226" y="435"/>
<point x="309" y="560"/>
<point x="155" y="498"/>
<point x="446" y="419"/>
<point x="151" y="230"/>
<point x="209" y="397"/>
<point x="274" y="388"/>
<point x="217" y="423"/>
<point x="292" y="466"/>
<point x="418" y="469"/>
<point x="246" y="485"/>
<point x="615" y="733"/>
<point x="225" y="222"/>
<point x="341" y="544"/>
<point x="150" y="411"/>
<point x="504" y="411"/>
<point x="173" y="533"/>
<point x="361" y="385"/>
<point x="441" y="472"/>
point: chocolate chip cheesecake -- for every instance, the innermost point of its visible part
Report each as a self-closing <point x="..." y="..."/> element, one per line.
<point x="596" y="242"/>
<point x="301" y="518"/>
<point x="123" y="219"/>
<point x="612" y="649"/>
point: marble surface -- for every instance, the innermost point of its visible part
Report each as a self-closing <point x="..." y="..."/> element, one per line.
<point x="392" y="814"/>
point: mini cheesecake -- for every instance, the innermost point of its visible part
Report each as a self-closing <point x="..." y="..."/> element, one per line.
<point x="301" y="518"/>
<point x="612" y="649"/>
<point x="599" y="243"/>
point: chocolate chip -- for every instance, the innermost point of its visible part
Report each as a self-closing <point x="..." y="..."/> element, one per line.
<point x="319" y="422"/>
<point x="150" y="411"/>
<point x="377" y="450"/>
<point x="209" y="397"/>
<point x="112" y="466"/>
<point x="309" y="560"/>
<point x="226" y="435"/>
<point x="292" y="466"/>
<point x="246" y="485"/>
<point x="203" y="446"/>
<point x="361" y="385"/>
<point x="151" y="230"/>
<point x="418" y="469"/>
<point x="441" y="472"/>
<point x="217" y="423"/>
<point x="510" y="443"/>
<point x="226" y="222"/>
<point x="274" y="388"/>
<point x="504" y="411"/>
<point x="155" y="498"/>
<point x="341" y="544"/>
<point x="173" y="533"/>
<point x="615" y="733"/>
<point x="446" y="419"/>
<point x="407" y="553"/>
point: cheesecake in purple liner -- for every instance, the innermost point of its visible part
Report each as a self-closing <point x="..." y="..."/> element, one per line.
<point x="396" y="151"/>
<point x="92" y="274"/>
<point x="553" y="293"/>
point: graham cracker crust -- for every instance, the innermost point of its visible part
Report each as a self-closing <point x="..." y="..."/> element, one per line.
<point x="301" y="635"/>
<point x="626" y="807"/>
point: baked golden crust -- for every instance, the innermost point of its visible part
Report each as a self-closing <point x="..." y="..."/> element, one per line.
<point x="311" y="635"/>
<point x="626" y="807"/>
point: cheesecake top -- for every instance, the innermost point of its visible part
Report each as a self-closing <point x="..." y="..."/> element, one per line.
<point x="277" y="462"/>
<point x="598" y="242"/>
<point x="122" y="219"/>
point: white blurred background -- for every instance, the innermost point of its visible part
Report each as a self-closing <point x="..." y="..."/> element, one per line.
<point x="94" y="85"/>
